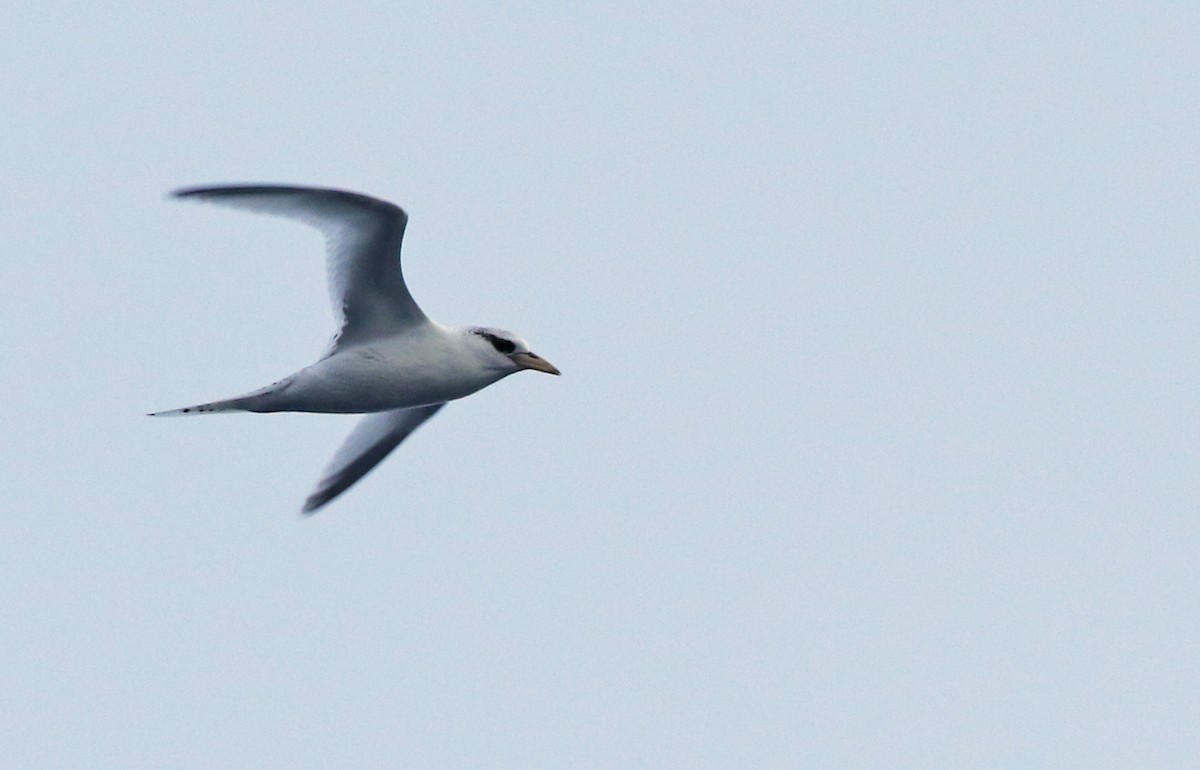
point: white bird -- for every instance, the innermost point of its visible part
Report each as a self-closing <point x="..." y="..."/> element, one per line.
<point x="386" y="358"/>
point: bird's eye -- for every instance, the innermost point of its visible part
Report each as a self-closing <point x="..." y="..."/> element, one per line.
<point x="502" y="345"/>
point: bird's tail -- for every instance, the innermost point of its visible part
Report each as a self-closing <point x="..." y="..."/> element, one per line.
<point x="258" y="401"/>
<point x="227" y="405"/>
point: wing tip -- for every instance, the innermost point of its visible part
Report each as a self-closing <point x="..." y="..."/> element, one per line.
<point x="215" y="190"/>
<point x="203" y="192"/>
<point x="314" y="503"/>
<point x="186" y="192"/>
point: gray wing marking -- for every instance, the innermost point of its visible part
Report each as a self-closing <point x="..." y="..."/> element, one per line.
<point x="362" y="240"/>
<point x="372" y="439"/>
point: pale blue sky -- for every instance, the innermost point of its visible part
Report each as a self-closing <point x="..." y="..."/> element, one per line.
<point x="877" y="440"/>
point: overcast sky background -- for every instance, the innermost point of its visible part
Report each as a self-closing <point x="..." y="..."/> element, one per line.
<point x="877" y="440"/>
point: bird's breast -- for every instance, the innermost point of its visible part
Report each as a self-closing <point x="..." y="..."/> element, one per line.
<point x="372" y="378"/>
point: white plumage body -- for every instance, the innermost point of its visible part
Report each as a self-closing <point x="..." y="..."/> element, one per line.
<point x="429" y="365"/>
<point x="387" y="360"/>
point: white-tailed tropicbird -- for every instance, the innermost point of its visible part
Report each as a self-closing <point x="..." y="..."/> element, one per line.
<point x="387" y="358"/>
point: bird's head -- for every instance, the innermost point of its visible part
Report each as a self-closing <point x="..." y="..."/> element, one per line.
<point x="506" y="351"/>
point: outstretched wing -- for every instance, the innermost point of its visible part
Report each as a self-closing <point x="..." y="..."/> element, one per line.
<point x="371" y="440"/>
<point x="362" y="241"/>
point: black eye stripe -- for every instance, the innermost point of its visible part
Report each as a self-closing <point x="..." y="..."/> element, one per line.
<point x="502" y="345"/>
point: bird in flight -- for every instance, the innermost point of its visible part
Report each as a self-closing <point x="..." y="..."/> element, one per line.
<point x="387" y="359"/>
